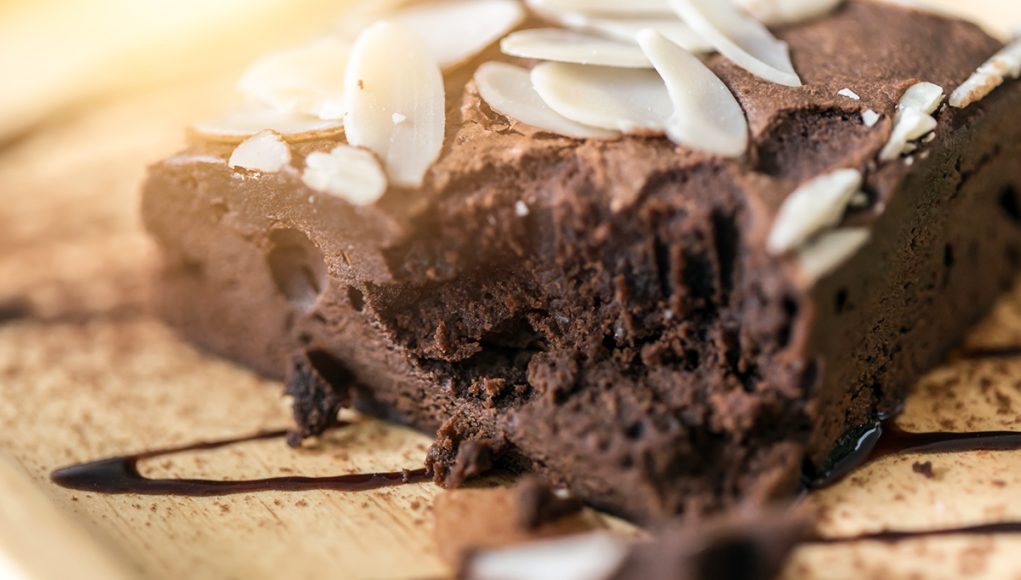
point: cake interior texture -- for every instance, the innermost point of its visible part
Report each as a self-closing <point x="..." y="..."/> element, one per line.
<point x="605" y="313"/>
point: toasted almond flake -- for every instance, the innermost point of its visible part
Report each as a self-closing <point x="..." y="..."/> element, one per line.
<point x="392" y="71"/>
<point x="265" y="152"/>
<point x="349" y="173"/>
<point x="706" y="115"/>
<point x="508" y="90"/>
<point x="777" y="12"/>
<point x="740" y="38"/>
<point x="869" y="117"/>
<point x="818" y="204"/>
<point x="582" y="557"/>
<point x="626" y="29"/>
<point x="923" y="97"/>
<point x="849" y="94"/>
<point x="610" y="7"/>
<point x="307" y="80"/>
<point x="194" y="159"/>
<point x="830" y="251"/>
<point x="1003" y="65"/>
<point x="914" y="119"/>
<point x="241" y="124"/>
<point x="567" y="46"/>
<point x="619" y="99"/>
<point x="457" y="30"/>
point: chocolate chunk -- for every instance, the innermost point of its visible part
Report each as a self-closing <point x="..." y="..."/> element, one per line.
<point x="924" y="469"/>
<point x="320" y="386"/>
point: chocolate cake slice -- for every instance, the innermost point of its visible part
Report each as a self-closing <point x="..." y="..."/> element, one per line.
<point x="665" y="314"/>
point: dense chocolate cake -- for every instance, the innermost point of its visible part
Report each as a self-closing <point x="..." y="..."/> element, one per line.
<point x="661" y="323"/>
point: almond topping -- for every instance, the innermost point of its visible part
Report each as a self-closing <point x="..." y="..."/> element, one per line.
<point x="508" y="90"/>
<point x="706" y="115"/>
<point x="265" y="152"/>
<point x="619" y="99"/>
<point x="392" y="71"/>
<point x="349" y="173"/>
<point x="567" y="46"/>
<point x="305" y="81"/>
<point x="457" y="30"/>
<point x="238" y="125"/>
<point x="740" y="38"/>
<point x="818" y="204"/>
<point x="777" y="12"/>
<point x="1003" y="65"/>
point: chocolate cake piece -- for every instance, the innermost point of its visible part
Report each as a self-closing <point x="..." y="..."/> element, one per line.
<point x="657" y="328"/>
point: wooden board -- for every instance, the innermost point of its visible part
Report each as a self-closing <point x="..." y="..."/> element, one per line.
<point x="90" y="372"/>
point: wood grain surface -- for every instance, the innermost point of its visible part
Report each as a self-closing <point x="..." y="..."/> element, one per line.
<point x="87" y="371"/>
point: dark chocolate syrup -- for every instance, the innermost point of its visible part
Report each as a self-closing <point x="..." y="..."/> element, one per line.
<point x="894" y="536"/>
<point x="119" y="475"/>
<point x="885" y="438"/>
<point x="1004" y="352"/>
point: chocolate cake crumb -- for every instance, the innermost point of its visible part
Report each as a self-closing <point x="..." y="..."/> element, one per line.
<point x="924" y="469"/>
<point x="538" y="504"/>
<point x="456" y="457"/>
<point x="320" y="387"/>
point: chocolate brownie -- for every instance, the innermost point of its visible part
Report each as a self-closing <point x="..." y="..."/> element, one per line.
<point x="620" y="315"/>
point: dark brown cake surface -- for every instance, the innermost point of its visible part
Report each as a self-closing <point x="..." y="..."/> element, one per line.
<point x="606" y="313"/>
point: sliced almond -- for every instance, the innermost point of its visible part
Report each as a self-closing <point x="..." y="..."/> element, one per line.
<point x="626" y="29"/>
<point x="869" y="118"/>
<point x="706" y="115"/>
<point x="265" y="152"/>
<point x="619" y="99"/>
<point x="740" y="38"/>
<point x="914" y="119"/>
<point x="241" y="124"/>
<point x="392" y="71"/>
<point x="910" y="125"/>
<point x="778" y="12"/>
<point x="830" y="251"/>
<point x="349" y="173"/>
<point x="567" y="46"/>
<point x="610" y="7"/>
<point x="845" y="92"/>
<point x="583" y="557"/>
<point x="508" y="90"/>
<point x="818" y="204"/>
<point x="307" y="80"/>
<point x="923" y="97"/>
<point x="1003" y="65"/>
<point x="457" y="30"/>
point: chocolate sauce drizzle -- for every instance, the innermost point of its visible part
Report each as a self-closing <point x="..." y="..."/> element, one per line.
<point x="120" y="475"/>
<point x="895" y="536"/>
<point x="885" y="438"/>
